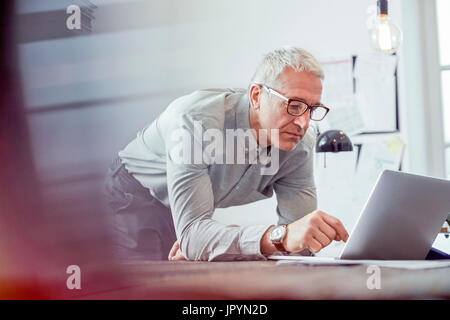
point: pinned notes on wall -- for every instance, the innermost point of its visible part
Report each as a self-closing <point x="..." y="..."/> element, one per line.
<point x="362" y="94"/>
<point x="376" y="91"/>
<point x="338" y="94"/>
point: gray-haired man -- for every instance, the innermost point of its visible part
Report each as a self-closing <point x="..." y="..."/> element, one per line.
<point x="163" y="202"/>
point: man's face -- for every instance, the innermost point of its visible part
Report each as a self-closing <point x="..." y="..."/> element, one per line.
<point x="271" y="110"/>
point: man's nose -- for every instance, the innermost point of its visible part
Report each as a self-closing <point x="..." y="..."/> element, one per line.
<point x="302" y="121"/>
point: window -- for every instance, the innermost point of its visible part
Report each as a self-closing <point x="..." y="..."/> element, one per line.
<point x="443" y="23"/>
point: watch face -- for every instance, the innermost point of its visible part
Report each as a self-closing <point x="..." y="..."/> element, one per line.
<point x="277" y="233"/>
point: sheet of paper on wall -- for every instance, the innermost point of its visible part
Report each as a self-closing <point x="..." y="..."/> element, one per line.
<point x="375" y="91"/>
<point x="338" y="94"/>
<point x="374" y="158"/>
<point x="375" y="65"/>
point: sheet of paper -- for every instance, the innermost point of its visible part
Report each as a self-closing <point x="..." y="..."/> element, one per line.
<point x="401" y="264"/>
<point x="338" y="95"/>
<point x="375" y="65"/>
<point x="375" y="91"/>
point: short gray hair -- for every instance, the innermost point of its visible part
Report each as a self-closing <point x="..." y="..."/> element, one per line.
<point x="274" y="62"/>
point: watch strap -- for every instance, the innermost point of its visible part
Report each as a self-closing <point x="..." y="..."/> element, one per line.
<point x="280" y="247"/>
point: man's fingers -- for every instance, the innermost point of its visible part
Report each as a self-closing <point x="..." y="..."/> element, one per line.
<point x="328" y="231"/>
<point x="336" y="224"/>
<point x="178" y="256"/>
<point x="314" y="245"/>
<point x="174" y="250"/>
<point x="322" y="238"/>
<point x="175" y="253"/>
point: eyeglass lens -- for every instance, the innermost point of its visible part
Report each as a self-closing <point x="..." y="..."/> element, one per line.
<point x="297" y="108"/>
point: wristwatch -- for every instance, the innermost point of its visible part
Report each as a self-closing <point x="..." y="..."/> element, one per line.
<point x="277" y="235"/>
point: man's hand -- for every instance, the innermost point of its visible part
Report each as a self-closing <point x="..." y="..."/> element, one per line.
<point x="175" y="252"/>
<point x="314" y="232"/>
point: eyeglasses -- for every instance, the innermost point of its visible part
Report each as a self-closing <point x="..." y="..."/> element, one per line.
<point x="296" y="107"/>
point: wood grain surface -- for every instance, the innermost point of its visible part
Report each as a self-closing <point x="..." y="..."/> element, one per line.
<point x="266" y="280"/>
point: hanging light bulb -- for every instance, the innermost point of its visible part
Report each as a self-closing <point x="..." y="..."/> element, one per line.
<point x="384" y="34"/>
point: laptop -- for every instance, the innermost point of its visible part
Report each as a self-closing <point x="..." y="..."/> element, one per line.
<point x="400" y="220"/>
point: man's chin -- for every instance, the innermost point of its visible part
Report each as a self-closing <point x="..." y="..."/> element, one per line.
<point x="288" y="145"/>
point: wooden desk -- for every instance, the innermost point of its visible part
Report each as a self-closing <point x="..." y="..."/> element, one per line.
<point x="266" y="280"/>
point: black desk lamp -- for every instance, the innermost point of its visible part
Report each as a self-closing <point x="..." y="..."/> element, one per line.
<point x="333" y="141"/>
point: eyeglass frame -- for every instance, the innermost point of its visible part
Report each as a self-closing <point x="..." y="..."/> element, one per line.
<point x="288" y="100"/>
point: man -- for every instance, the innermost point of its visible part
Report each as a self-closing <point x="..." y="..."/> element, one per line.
<point x="164" y="202"/>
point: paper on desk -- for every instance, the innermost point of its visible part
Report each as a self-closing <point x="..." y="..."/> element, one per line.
<point x="400" y="264"/>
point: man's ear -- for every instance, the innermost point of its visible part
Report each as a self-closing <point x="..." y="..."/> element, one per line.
<point x="255" y="93"/>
